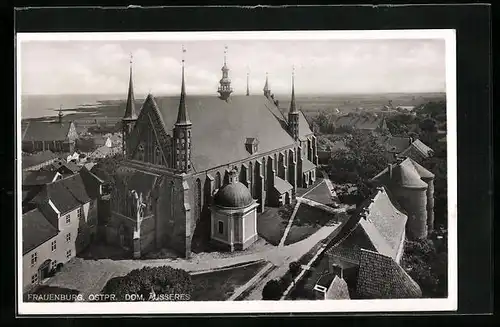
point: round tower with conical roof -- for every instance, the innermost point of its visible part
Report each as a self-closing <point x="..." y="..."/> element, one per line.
<point x="411" y="192"/>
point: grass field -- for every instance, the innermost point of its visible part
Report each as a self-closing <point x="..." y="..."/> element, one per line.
<point x="220" y="285"/>
<point x="307" y="221"/>
<point x="271" y="224"/>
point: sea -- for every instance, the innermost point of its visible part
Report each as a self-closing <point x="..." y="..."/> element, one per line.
<point x="37" y="106"/>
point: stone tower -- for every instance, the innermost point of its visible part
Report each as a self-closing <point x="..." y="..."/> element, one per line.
<point x="225" y="89"/>
<point x="293" y="114"/>
<point x="182" y="131"/>
<point x="130" y="117"/>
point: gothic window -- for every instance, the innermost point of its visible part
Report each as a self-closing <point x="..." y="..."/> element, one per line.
<point x="217" y="180"/>
<point x="220" y="227"/>
<point x="275" y="162"/>
<point x="158" y="156"/>
<point x="197" y="200"/>
<point x="140" y="152"/>
<point x="250" y="176"/>
<point x="172" y="200"/>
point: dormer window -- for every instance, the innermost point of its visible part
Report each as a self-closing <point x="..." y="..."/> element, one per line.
<point x="252" y="145"/>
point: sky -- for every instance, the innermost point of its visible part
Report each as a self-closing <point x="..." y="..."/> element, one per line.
<point x="321" y="66"/>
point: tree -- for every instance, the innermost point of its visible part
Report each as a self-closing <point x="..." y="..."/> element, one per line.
<point x="363" y="158"/>
<point x="272" y="290"/>
<point x="294" y="268"/>
<point x="160" y="280"/>
<point x="426" y="266"/>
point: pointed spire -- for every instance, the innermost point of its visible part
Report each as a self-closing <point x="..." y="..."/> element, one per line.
<point x="130" y="112"/>
<point x="266" y="86"/>
<point x="225" y="54"/>
<point x="182" y="114"/>
<point x="293" y="107"/>
<point x="248" y="87"/>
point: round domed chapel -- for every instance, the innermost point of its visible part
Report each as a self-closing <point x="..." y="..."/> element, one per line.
<point x="233" y="216"/>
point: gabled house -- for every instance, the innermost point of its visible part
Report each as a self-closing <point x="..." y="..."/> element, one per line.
<point x="54" y="136"/>
<point x="65" y="212"/>
<point x="364" y="260"/>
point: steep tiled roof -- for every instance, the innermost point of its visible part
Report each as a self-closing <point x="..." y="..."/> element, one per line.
<point x="37" y="158"/>
<point x="378" y="226"/>
<point x="380" y="277"/>
<point x="220" y="128"/>
<point x="91" y="182"/>
<point x="418" y="147"/>
<point x="338" y="290"/>
<point x="421" y="170"/>
<point x="36" y="230"/>
<point x="46" y="131"/>
<point x="281" y="185"/>
<point x="66" y="194"/>
<point x="39" y="177"/>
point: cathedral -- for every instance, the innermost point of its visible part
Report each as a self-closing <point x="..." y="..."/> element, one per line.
<point x="215" y="161"/>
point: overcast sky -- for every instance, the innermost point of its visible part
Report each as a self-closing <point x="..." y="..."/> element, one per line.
<point x="322" y="66"/>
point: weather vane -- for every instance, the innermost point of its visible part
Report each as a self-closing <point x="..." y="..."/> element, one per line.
<point x="183" y="52"/>
<point x="131" y="58"/>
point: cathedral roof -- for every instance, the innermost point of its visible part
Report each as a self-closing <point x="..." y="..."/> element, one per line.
<point x="220" y="128"/>
<point x="233" y="195"/>
<point x="46" y="131"/>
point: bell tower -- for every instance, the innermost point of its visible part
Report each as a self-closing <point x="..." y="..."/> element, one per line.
<point x="182" y="131"/>
<point x="130" y="117"/>
<point x="225" y="89"/>
<point x="293" y="114"/>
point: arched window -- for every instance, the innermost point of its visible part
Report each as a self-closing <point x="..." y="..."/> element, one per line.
<point x="158" y="156"/>
<point x="197" y="199"/>
<point x="250" y="177"/>
<point x="217" y="180"/>
<point x="275" y="163"/>
<point x="140" y="152"/>
<point x="172" y="192"/>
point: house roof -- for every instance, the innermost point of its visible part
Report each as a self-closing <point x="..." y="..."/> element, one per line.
<point x="39" y="177"/>
<point x="380" y="277"/>
<point x="378" y="225"/>
<point x="417" y="150"/>
<point x="281" y="185"/>
<point x="36" y="230"/>
<point x="66" y="194"/>
<point x="307" y="165"/>
<point x="46" y="131"/>
<point x="91" y="182"/>
<point x="220" y="128"/>
<point x="338" y="290"/>
<point x="37" y="158"/>
<point x="396" y="144"/>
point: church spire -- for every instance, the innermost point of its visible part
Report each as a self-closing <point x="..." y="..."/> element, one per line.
<point x="293" y="114"/>
<point x="267" y="90"/>
<point x="225" y="89"/>
<point x="182" y="130"/>
<point x="130" y="112"/>
<point x="293" y="107"/>
<point x="248" y="87"/>
<point x="182" y="114"/>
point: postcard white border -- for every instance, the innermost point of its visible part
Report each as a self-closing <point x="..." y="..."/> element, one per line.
<point x="232" y="307"/>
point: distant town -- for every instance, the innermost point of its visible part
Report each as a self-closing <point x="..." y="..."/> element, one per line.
<point x="236" y="197"/>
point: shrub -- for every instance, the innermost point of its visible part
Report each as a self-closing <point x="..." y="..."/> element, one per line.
<point x="294" y="268"/>
<point x="161" y="280"/>
<point x="272" y="290"/>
